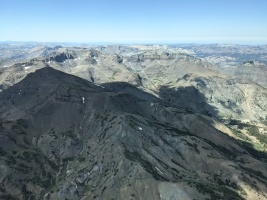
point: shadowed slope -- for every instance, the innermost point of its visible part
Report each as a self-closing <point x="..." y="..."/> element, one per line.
<point x="65" y="138"/>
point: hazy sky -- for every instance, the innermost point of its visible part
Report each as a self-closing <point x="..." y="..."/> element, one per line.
<point x="120" y="21"/>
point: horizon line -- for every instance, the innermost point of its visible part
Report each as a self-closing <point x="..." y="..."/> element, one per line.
<point x="141" y="42"/>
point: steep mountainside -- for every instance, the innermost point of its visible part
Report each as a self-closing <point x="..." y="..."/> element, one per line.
<point x="63" y="137"/>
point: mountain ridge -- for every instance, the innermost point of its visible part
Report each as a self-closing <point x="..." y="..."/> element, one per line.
<point x="66" y="137"/>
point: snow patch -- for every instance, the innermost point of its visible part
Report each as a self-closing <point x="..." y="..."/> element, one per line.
<point x="158" y="170"/>
<point x="25" y="68"/>
<point x="83" y="99"/>
<point x="99" y="85"/>
<point x="140" y="128"/>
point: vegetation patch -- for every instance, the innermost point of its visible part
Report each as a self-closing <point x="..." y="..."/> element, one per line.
<point x="30" y="156"/>
<point x="81" y="159"/>
<point x="216" y="192"/>
<point x="254" y="131"/>
<point x="18" y="129"/>
<point x="136" y="157"/>
<point x="116" y="72"/>
<point x="69" y="134"/>
<point x="68" y="159"/>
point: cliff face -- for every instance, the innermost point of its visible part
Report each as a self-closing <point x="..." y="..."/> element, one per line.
<point x="63" y="137"/>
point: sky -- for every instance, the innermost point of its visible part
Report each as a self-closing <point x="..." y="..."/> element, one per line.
<point x="134" y="21"/>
